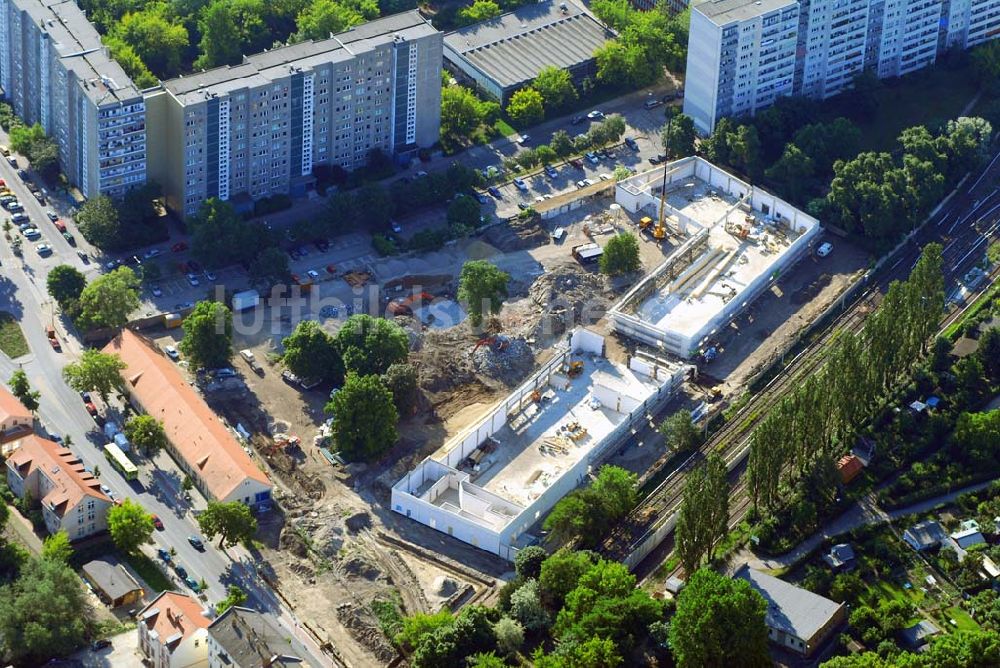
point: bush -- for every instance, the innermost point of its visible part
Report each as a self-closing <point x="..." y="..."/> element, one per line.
<point x="383" y="245"/>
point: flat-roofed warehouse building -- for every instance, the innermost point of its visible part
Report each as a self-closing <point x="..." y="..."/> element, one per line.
<point x="735" y="240"/>
<point x="502" y="55"/>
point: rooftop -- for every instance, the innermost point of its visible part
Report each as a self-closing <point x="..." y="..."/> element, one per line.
<point x="927" y="533"/>
<point x="195" y="431"/>
<point x="727" y="11"/>
<point x="513" y="48"/>
<point x="11" y="407"/>
<point x="79" y="46"/>
<point x="249" y="638"/>
<point x="70" y="482"/>
<point x="791" y="609"/>
<point x="548" y="438"/>
<point x="262" y="68"/>
<point x="111" y="577"/>
<point x="173" y="616"/>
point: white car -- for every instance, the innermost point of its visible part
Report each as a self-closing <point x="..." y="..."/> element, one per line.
<point x="824" y="249"/>
<point x="313" y="274"/>
<point x="595" y="115"/>
<point x="583" y="183"/>
<point x="397" y="228"/>
<point x="44" y="250"/>
<point x="52" y="216"/>
<point x="521" y="185"/>
<point x="172" y="353"/>
<point x="193" y="280"/>
<point x="150" y="254"/>
<point x="157" y="292"/>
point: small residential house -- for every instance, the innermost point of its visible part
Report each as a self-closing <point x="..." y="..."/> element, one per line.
<point x="204" y="447"/>
<point x="925" y="535"/>
<point x="173" y="632"/>
<point x="840" y="558"/>
<point x="849" y="467"/>
<point x="71" y="498"/>
<point x="112" y="582"/>
<point x="244" y="638"/>
<point x="915" y="637"/>
<point x="797" y="619"/>
<point x="15" y="419"/>
<point x="968" y="534"/>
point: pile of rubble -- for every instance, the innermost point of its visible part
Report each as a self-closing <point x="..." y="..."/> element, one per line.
<point x="361" y="624"/>
<point x="509" y="363"/>
<point x="568" y="296"/>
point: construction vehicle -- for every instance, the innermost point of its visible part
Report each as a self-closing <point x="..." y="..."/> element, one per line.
<point x="498" y="343"/>
<point x="645" y="223"/>
<point x="575" y="369"/>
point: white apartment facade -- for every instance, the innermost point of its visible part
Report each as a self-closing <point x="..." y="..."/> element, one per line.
<point x="740" y="51"/>
<point x="55" y="71"/>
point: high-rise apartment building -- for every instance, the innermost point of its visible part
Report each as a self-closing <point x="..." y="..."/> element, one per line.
<point x="743" y="54"/>
<point x="55" y="72"/>
<point x="257" y="129"/>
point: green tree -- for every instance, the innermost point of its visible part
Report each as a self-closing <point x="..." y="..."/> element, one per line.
<point x="208" y="336"/>
<point x="488" y="659"/>
<point x="96" y="372"/>
<point x="588" y="513"/>
<point x="592" y="653"/>
<point x="510" y="636"/>
<point x="606" y="604"/>
<point x="621" y="255"/>
<point x="270" y="266"/>
<point x="371" y="345"/>
<point x="471" y="633"/>
<point x="461" y="113"/>
<point x="526" y="106"/>
<point x="988" y="353"/>
<point x="232" y="522"/>
<point x="234" y="597"/>
<point x="704" y="513"/>
<point x="679" y="432"/>
<point x="560" y="574"/>
<point x="526" y="606"/>
<point x="561" y="143"/>
<point x="156" y="37"/>
<point x="23" y="136"/>
<point x="401" y="380"/>
<point x="130" y="61"/>
<point x="419" y="625"/>
<point x="719" y="622"/>
<point x="219" y="236"/>
<point x="556" y="87"/>
<point x="793" y="170"/>
<point x="146" y="432"/>
<point x="57" y="547"/>
<point x="43" y="613"/>
<point x="322" y="18"/>
<point x="364" y="425"/>
<point x="678" y="136"/>
<point x="109" y="300"/>
<point x="21" y="388"/>
<point x="464" y="213"/>
<point x="98" y="221"/>
<point x="482" y="287"/>
<point x="129" y="525"/>
<point x="528" y="562"/>
<point x="479" y="10"/>
<point x="977" y="437"/>
<point x="546" y="155"/>
<point x="312" y="353"/>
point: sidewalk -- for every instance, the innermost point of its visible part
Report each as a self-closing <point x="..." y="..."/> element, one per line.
<point x="863" y="513"/>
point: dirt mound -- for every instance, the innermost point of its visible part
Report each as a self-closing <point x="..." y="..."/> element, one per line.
<point x="358" y="521"/>
<point x="510" y="365"/>
<point x="291" y="541"/>
<point x="444" y="586"/>
<point x="569" y="295"/>
<point x="516" y="235"/>
<point x="360" y="566"/>
<point x="364" y="627"/>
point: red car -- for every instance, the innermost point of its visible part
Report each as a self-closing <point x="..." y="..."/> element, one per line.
<point x="179" y="247"/>
<point x="296" y="279"/>
<point x="91" y="408"/>
<point x="55" y="345"/>
<point x="157" y="523"/>
<point x="576" y="162"/>
<point x="330" y="269"/>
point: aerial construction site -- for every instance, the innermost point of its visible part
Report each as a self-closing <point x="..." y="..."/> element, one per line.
<point x="735" y="240"/>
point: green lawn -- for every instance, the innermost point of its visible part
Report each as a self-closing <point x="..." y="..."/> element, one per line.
<point x="504" y="128"/>
<point x="149" y="572"/>
<point x="12" y="341"/>
<point x="962" y="619"/>
<point x="890" y="591"/>
<point x="924" y="97"/>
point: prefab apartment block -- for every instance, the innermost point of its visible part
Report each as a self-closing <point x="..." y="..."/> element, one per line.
<point x="492" y="483"/>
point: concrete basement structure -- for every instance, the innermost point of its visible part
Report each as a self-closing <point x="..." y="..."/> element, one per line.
<point x="737" y="240"/>
<point x="488" y="485"/>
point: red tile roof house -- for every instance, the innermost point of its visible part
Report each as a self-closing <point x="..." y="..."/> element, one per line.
<point x="173" y="632"/>
<point x="71" y="498"/>
<point x="15" y="419"/>
<point x="201" y="444"/>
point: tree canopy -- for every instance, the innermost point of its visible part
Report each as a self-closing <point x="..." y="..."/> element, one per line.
<point x="621" y="255"/>
<point x="208" y="336"/>
<point x="589" y="512"/>
<point x="129" y="525"/>
<point x="312" y="353"/>
<point x="96" y="372"/>
<point x="704" y="513"/>
<point x="719" y="622"/>
<point x="556" y="87"/>
<point x="109" y="300"/>
<point x="21" y="388"/>
<point x="146" y="433"/>
<point x="371" y="345"/>
<point x="65" y="284"/>
<point x="232" y="522"/>
<point x="482" y="287"/>
<point x="526" y="107"/>
<point x="364" y="418"/>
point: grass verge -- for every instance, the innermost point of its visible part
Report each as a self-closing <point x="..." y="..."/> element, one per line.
<point x="149" y="572"/>
<point x="12" y="341"/>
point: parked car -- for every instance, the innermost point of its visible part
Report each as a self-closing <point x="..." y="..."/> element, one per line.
<point x="652" y="104"/>
<point x="595" y="115"/>
<point x="322" y="245"/>
<point x="551" y="171"/>
<point x="193" y="280"/>
<point x="583" y="183"/>
<point x="172" y="353"/>
<point x="44" y="250"/>
<point x="52" y="216"/>
<point x="180" y="570"/>
<point x="492" y="190"/>
<point x="193" y="584"/>
<point x="824" y="249"/>
<point x="193" y="264"/>
<point x="98" y="645"/>
<point x="520" y="184"/>
<point x="397" y="228"/>
<point x="577" y="120"/>
<point x="157" y="522"/>
<point x="21" y="174"/>
<point x="156" y="291"/>
<point x="523" y="206"/>
<point x="313" y="274"/>
<point x="151" y="253"/>
<point x="631" y="143"/>
<point x="70" y="239"/>
<point x="331" y="269"/>
<point x="163" y="555"/>
<point x="19" y="218"/>
<point x="576" y="162"/>
<point x="32" y="234"/>
<point x="592" y="158"/>
<point x="179" y="247"/>
<point x="196" y="542"/>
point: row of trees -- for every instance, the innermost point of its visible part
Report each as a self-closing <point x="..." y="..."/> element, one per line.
<point x="800" y="437"/>
<point x="588" y="513"/>
<point x="703" y="518"/>
<point x="551" y="92"/>
<point x="40" y="150"/>
<point x="129" y="222"/>
<point x="562" y="146"/>
<point x="107" y="301"/>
